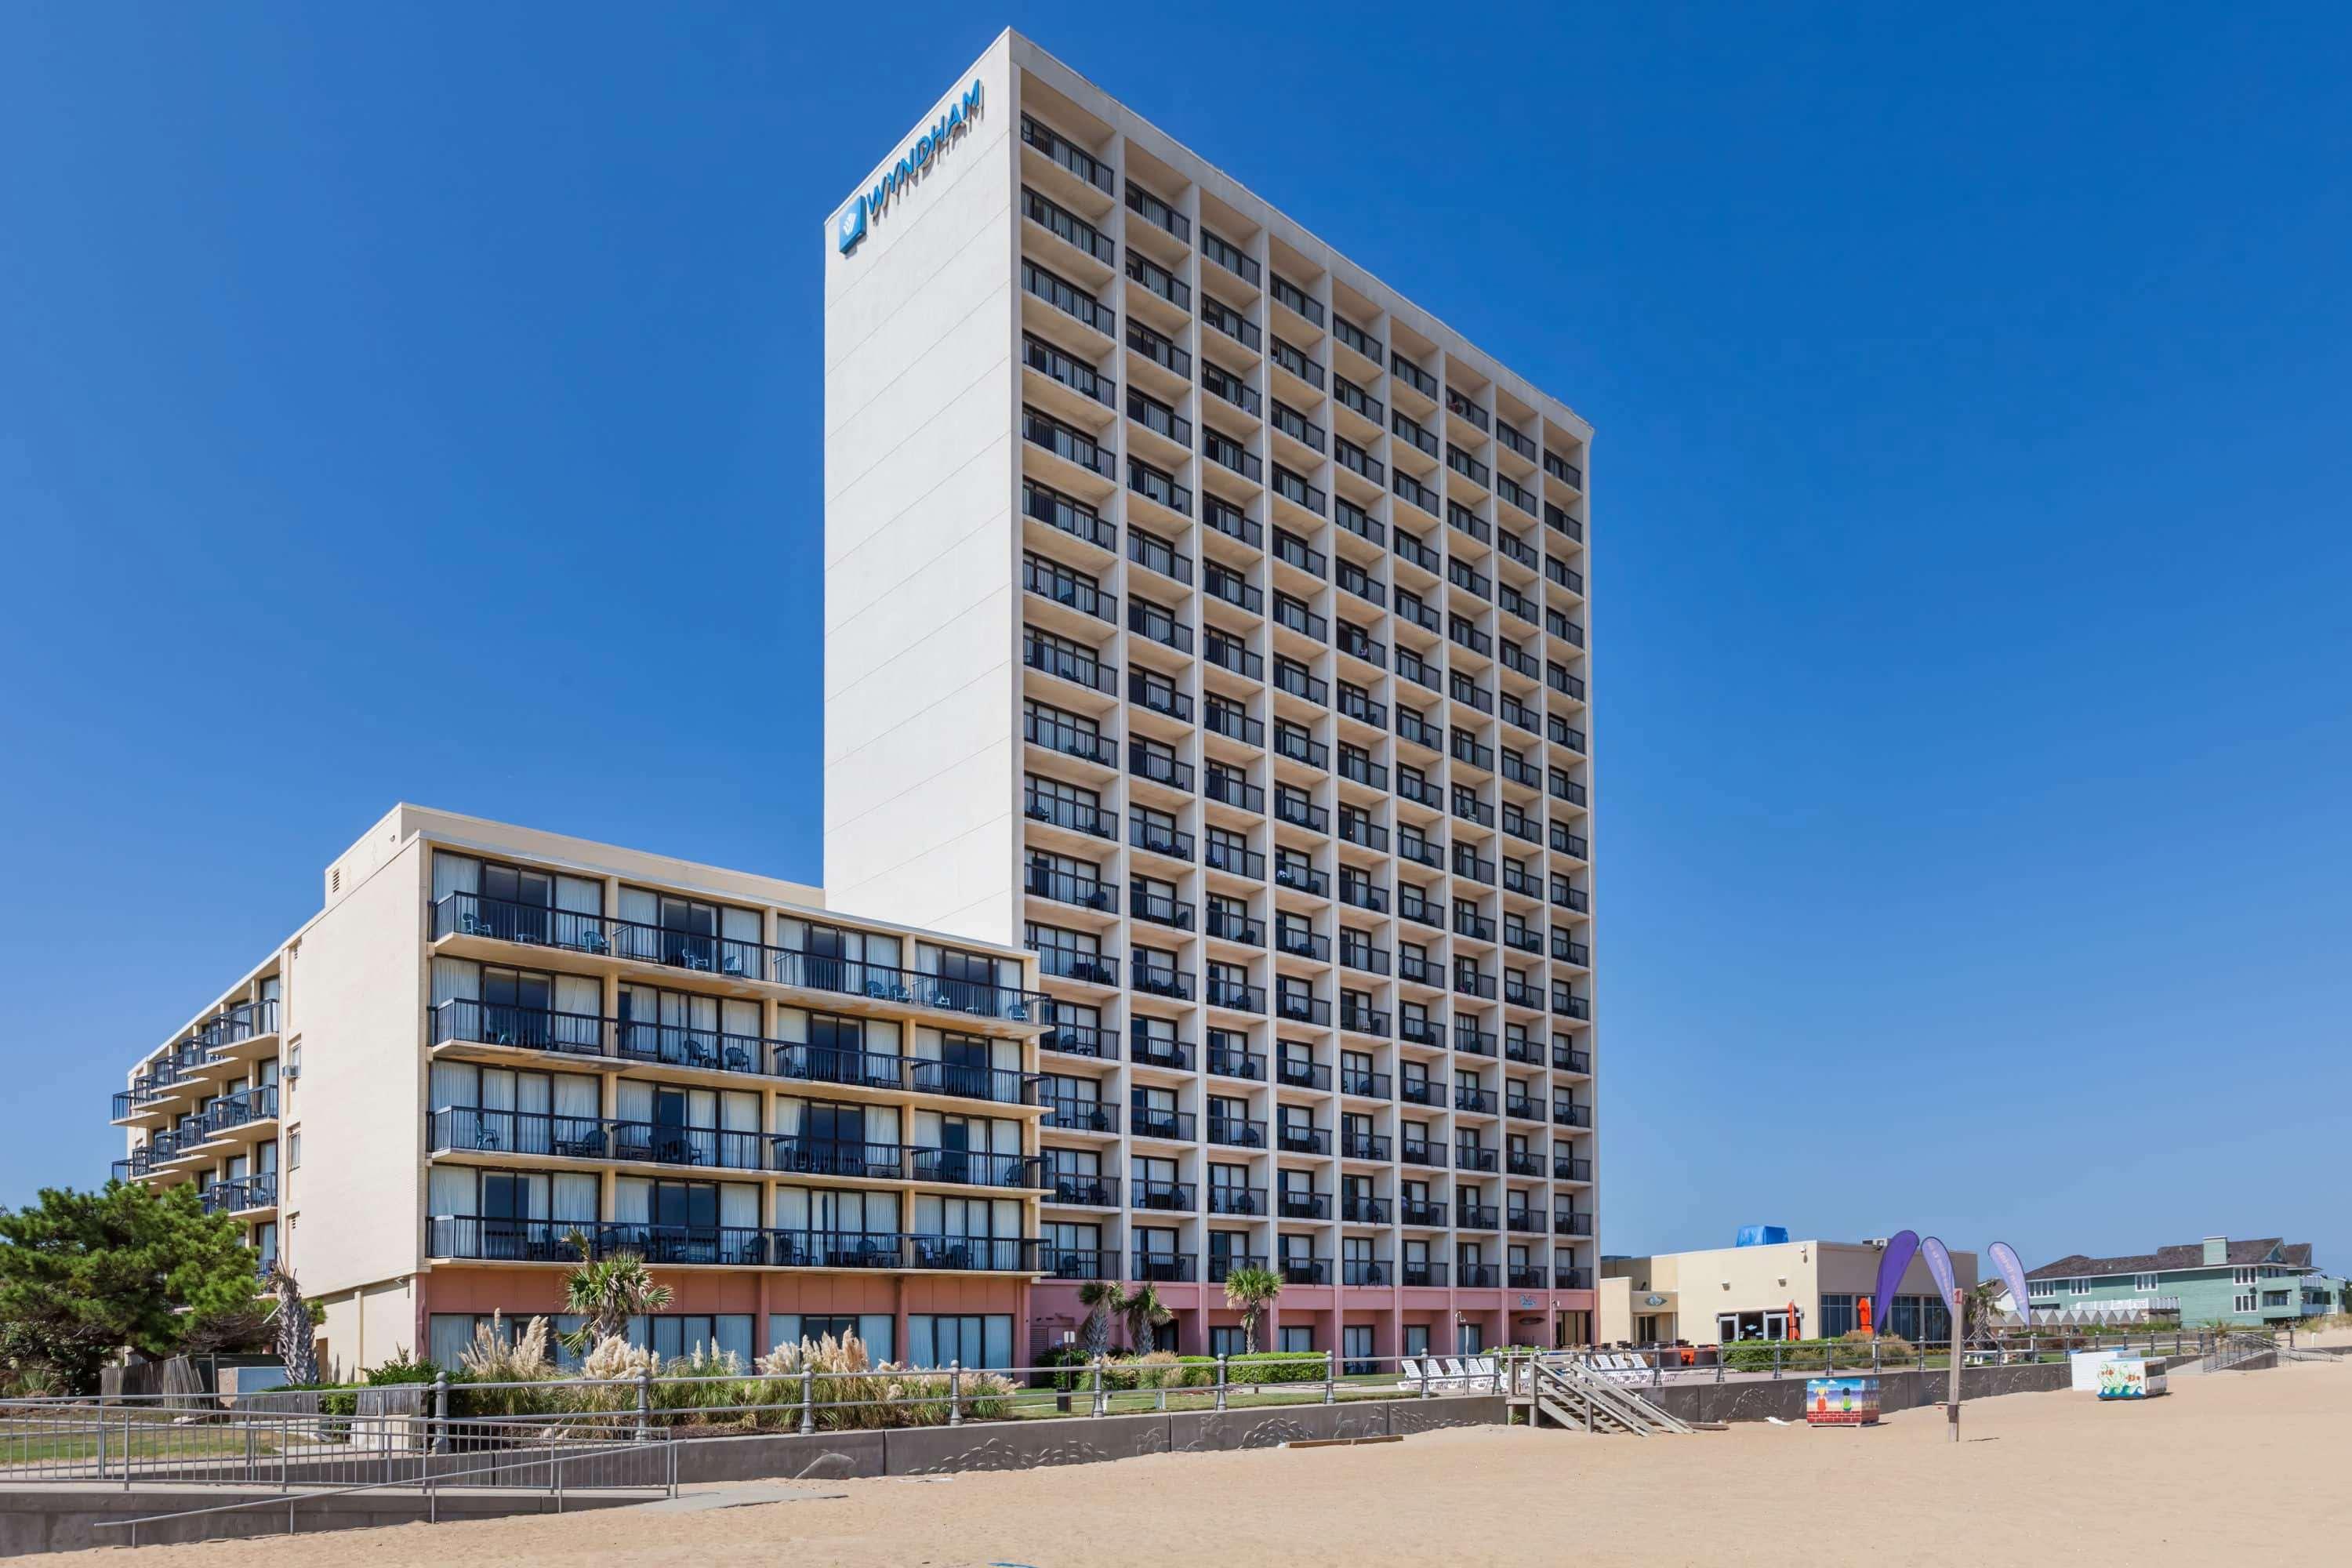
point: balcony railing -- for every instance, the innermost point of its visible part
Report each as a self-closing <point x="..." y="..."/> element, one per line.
<point x="1081" y="1040"/>
<point x="553" y="1240"/>
<point x="1164" y="1268"/>
<point x="1075" y="1115"/>
<point x="239" y="1193"/>
<point x="1233" y="1199"/>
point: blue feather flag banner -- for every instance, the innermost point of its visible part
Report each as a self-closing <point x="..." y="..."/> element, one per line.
<point x="2012" y="1273"/>
<point x="1939" y="1264"/>
<point x="1901" y="1247"/>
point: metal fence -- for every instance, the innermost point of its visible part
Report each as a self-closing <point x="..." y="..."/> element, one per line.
<point x="1660" y="1365"/>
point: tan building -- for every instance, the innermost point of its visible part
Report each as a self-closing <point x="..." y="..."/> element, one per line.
<point x="499" y="1045"/>
<point x="1733" y="1293"/>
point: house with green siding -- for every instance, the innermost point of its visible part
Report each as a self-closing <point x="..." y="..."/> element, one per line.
<point x="2261" y="1283"/>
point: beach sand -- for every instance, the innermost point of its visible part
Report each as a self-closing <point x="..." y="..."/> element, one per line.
<point x="2226" y="1460"/>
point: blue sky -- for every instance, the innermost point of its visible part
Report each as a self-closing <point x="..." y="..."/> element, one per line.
<point x="423" y="402"/>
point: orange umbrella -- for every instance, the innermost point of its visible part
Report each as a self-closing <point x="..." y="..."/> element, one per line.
<point x="1864" y="1304"/>
<point x="1795" y="1323"/>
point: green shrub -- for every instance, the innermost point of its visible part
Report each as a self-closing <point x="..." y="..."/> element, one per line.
<point x="1265" y="1366"/>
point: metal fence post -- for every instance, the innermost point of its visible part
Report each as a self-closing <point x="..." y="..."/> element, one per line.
<point x="1424" y="1364"/>
<point x="1220" y="1379"/>
<point x="126" y="1448"/>
<point x="955" y="1393"/>
<point x="808" y="1399"/>
<point x="102" y="1439"/>
<point x="1776" y="1358"/>
<point x="644" y="1404"/>
<point x="440" y="1411"/>
<point x="1330" y="1379"/>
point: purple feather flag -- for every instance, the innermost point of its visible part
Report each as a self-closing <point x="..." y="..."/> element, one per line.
<point x="1901" y="1247"/>
<point x="2012" y="1274"/>
<point x="1939" y="1264"/>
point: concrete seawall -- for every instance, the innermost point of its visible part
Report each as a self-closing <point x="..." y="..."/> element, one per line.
<point x="1755" y="1399"/>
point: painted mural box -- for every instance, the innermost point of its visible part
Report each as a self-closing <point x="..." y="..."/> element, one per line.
<point x="2131" y="1379"/>
<point x="1842" y="1402"/>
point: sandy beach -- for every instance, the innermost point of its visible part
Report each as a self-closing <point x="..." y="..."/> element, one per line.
<point x="2189" y="1478"/>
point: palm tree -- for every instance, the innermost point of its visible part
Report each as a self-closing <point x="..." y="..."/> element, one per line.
<point x="1252" y="1290"/>
<point x="1103" y="1300"/>
<point x="1143" y="1313"/>
<point x="606" y="1292"/>
<point x="298" y="1342"/>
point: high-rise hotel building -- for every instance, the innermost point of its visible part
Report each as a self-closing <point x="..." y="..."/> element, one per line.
<point x="1208" y="619"/>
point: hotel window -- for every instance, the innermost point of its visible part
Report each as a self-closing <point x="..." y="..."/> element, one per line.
<point x="878" y="1331"/>
<point x="971" y="1339"/>
<point x="2144" y="1282"/>
<point x="1837" y="1316"/>
<point x="1224" y="1340"/>
<point x="1299" y="1341"/>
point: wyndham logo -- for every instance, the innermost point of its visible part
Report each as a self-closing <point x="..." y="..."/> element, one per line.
<point x="912" y="164"/>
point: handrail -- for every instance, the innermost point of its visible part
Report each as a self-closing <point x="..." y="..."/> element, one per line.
<point x="429" y="1485"/>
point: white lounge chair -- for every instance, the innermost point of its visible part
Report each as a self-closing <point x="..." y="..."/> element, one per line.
<point x="1456" y="1380"/>
<point x="1412" y="1377"/>
<point x="1486" y="1370"/>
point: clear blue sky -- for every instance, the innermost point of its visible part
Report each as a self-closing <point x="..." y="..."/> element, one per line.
<point x="423" y="402"/>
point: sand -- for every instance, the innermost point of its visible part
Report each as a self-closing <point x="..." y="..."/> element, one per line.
<point x="2227" y="1461"/>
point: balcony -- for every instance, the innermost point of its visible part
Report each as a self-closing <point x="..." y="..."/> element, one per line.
<point x="1067" y="226"/>
<point x="1233" y="1199"/>
<point x="1164" y="1268"/>
<point x="1067" y="154"/>
<point x="1076" y="1115"/>
<point x="553" y="1240"/>
<point x="1421" y="1274"/>
<point x="1366" y="1021"/>
<point x="1159" y="838"/>
<point x="1227" y="1062"/>
<point x="1301" y="1007"/>
<point x="1301" y="1072"/>
<point x="1525" y="1222"/>
<point x="1364" y="1272"/>
<point x="1043" y="882"/>
<point x="1525" y="1107"/>
<point x="1570" y="1168"/>
<point x="1160" y="907"/>
<point x="1477" y="1216"/>
<point x="1306" y="1272"/>
<point x="1222" y="1264"/>
<point x="1216" y="313"/>
<point x="1233" y="522"/>
<point x="1069" y="298"/>
<point x="1069" y="737"/>
<point x="1230" y="256"/>
<point x="1172" y="1126"/>
<point x="1419" y="1031"/>
<point x="1236" y="1131"/>
<point x="1567" y="1114"/>
<point x="1302" y="1138"/>
<point x="1054" y="656"/>
<point x="1569" y="1224"/>
<point x="1155" y="211"/>
<point x="1301" y="877"/>
<point x="1075" y="963"/>
<point x="1364" y="1146"/>
<point x="1528" y="1277"/>
<point x="1479" y="1276"/>
<point x="1159" y="766"/>
<point x="1159" y="1051"/>
<point x="1473" y="1157"/>
<point x="1161" y="350"/>
<point x="1229" y="927"/>
<point x="1078" y="1263"/>
<point x="1480" y="1101"/>
<point x="240" y="1194"/>
<point x="1420" y="1151"/>
<point x="1568" y="1058"/>
<point x="1239" y="862"/>
<point x="1236" y="995"/>
<point x="1303" y="1205"/>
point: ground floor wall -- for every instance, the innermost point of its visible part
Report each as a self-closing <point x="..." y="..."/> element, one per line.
<point x="975" y="1318"/>
<point x="1390" y="1323"/>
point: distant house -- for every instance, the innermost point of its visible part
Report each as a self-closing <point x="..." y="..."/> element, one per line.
<point x="2249" y="1283"/>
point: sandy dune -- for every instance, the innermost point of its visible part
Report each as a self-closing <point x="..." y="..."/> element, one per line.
<point x="2191" y="1479"/>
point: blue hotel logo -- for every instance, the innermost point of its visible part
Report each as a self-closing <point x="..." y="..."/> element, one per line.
<point x="912" y="164"/>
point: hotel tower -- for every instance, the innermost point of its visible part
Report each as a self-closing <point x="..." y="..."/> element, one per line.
<point x="1209" y="620"/>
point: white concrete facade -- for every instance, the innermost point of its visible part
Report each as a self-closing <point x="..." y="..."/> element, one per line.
<point x="1302" y="832"/>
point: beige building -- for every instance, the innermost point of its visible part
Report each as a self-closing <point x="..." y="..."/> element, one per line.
<point x="1208" y="618"/>
<point x="494" y="1046"/>
<point x="1732" y="1293"/>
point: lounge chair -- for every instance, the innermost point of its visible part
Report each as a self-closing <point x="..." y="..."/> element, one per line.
<point x="1456" y="1380"/>
<point x="1413" y="1377"/>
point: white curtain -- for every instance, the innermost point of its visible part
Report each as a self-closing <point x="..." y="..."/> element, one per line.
<point x="882" y="1036"/>
<point x="1006" y="1219"/>
<point x="740" y="926"/>
<point x="580" y="994"/>
<point x="497" y="1089"/>
<point x="926" y="1045"/>
<point x="449" y="1189"/>
<point x="638" y="905"/>
<point x="740" y="1018"/>
<point x="739" y="1204"/>
<point x="927" y="1129"/>
<point x="1005" y="1137"/>
<point x="881" y="1124"/>
<point x="633" y="1200"/>
<point x="882" y="949"/>
<point x="455" y="874"/>
<point x="792" y="933"/>
<point x="791" y="1115"/>
<point x="791" y="1024"/>
<point x="533" y="1093"/>
<point x="792" y="1208"/>
<point x="930" y="1216"/>
<point x="576" y="1196"/>
<point x="701" y="1108"/>
<point x="535" y="1197"/>
<point x="454" y="1083"/>
<point x="579" y="896"/>
<point x="456" y="980"/>
<point x="733" y="1332"/>
<point x="636" y="1100"/>
<point x="881" y="1212"/>
<point x="738" y="1112"/>
<point x="576" y="1095"/>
